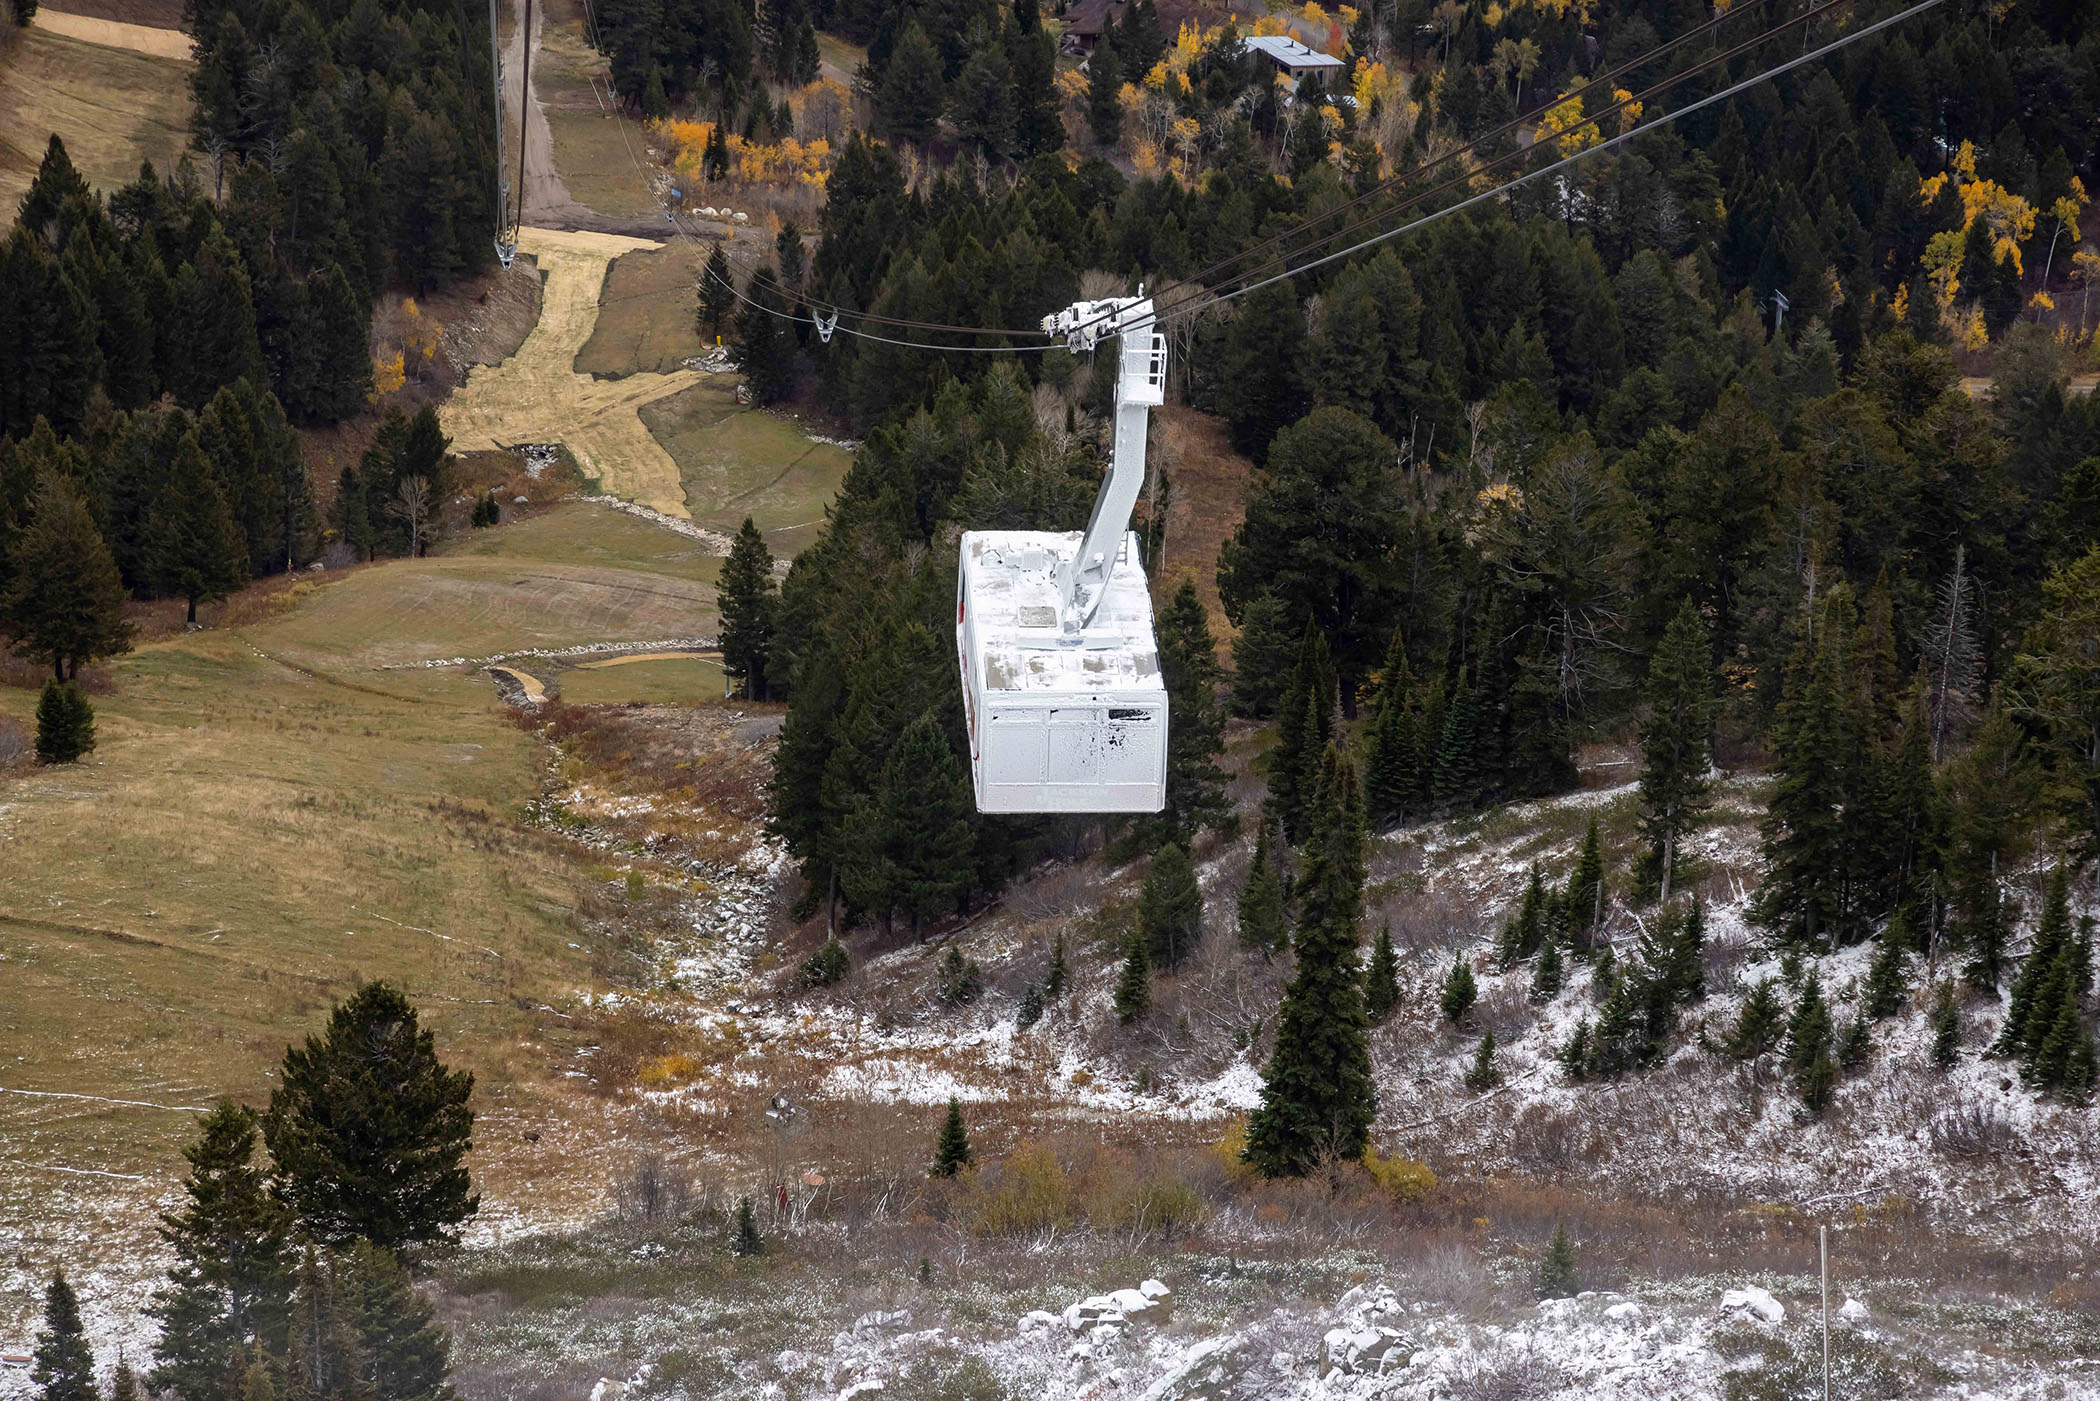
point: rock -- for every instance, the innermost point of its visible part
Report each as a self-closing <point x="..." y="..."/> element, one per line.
<point x="608" y="1390"/>
<point x="1152" y="1303"/>
<point x="1204" y="1370"/>
<point x="1628" y="1310"/>
<point x="1365" y="1349"/>
<point x="1753" y="1303"/>
<point x="1036" y="1320"/>
<point x="1853" y="1312"/>
<point x="741" y="217"/>
<point x="871" y="1324"/>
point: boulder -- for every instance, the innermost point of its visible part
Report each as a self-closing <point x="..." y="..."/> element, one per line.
<point x="1853" y="1312"/>
<point x="1036" y="1320"/>
<point x="1364" y="1349"/>
<point x="1151" y="1302"/>
<point x="1753" y="1303"/>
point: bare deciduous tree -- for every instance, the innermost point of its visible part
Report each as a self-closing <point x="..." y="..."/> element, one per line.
<point x="411" y="506"/>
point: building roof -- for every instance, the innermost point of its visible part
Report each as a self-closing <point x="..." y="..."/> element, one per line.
<point x="1291" y="53"/>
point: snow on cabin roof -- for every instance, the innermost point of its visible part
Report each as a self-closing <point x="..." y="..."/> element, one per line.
<point x="1291" y="53"/>
<point x="1010" y="586"/>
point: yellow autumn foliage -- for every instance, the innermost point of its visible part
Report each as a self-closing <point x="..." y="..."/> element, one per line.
<point x="1564" y="123"/>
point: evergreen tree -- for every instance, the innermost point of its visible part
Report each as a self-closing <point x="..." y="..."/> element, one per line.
<point x="829" y="964"/>
<point x="1133" y="994"/>
<point x="1104" y="88"/>
<point x="1031" y="1009"/>
<point x="1985" y="932"/>
<point x="1188" y="664"/>
<point x="1460" y="776"/>
<point x="911" y="846"/>
<point x="1856" y="1044"/>
<point x="1460" y="990"/>
<point x="1305" y="722"/>
<point x="2047" y="960"/>
<point x="1558" y="1278"/>
<point x="765" y="340"/>
<point x="337" y="351"/>
<point x="951" y="1150"/>
<point x="1526" y="930"/>
<point x="1170" y="908"/>
<point x="63" y="1365"/>
<point x="744" y="1239"/>
<point x="959" y="978"/>
<point x="1318" y="1097"/>
<point x="717" y="296"/>
<point x="1054" y="980"/>
<point x="912" y="91"/>
<point x="981" y="107"/>
<point x="230" y="1285"/>
<point x="1264" y="656"/>
<point x="1804" y="898"/>
<point x="1546" y="977"/>
<point x="406" y="1352"/>
<point x="1574" y="1056"/>
<point x="1264" y="923"/>
<point x="1888" y="984"/>
<point x="65" y="724"/>
<point x="1481" y="1075"/>
<point x="369" y="1130"/>
<point x="65" y="603"/>
<point x="124" y="1382"/>
<point x="745" y="597"/>
<point x="1585" y="898"/>
<point x="1946" y="1027"/>
<point x="194" y="550"/>
<point x="1676" y="739"/>
<point x="1382" y="977"/>
<point x="1394" y="783"/>
<point x="1810" y="1040"/>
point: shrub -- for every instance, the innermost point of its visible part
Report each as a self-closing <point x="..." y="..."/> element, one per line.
<point x="827" y="965"/>
<point x="1231" y="1151"/>
<point x="744" y="1238"/>
<point x="959" y="977"/>
<point x="674" y="1069"/>
<point x="1403" y="1179"/>
<point x="1159" y="1204"/>
<point x="1029" y="1193"/>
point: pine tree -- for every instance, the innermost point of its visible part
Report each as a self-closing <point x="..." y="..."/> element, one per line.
<point x="1856" y="1044"/>
<point x="745" y="597"/>
<point x="1558" y="1277"/>
<point x="1546" y="977"/>
<point x="1986" y="933"/>
<point x="1460" y="990"/>
<point x="1758" y="1024"/>
<point x="1188" y="664"/>
<point x="1054" y="980"/>
<point x="912" y="846"/>
<point x="1133" y="995"/>
<point x="1574" y="1056"/>
<point x="124" y="1382"/>
<point x="1382" y="977"/>
<point x="1305" y="720"/>
<point x="958" y="979"/>
<point x="829" y="964"/>
<point x="1170" y="908"/>
<point x="1104" y="85"/>
<point x="194" y="551"/>
<point x="2023" y="1029"/>
<point x="1460" y="779"/>
<point x="64" y="605"/>
<point x="1030" y="1010"/>
<point x="337" y="352"/>
<point x="912" y="92"/>
<point x="951" y="1148"/>
<point x="1264" y="656"/>
<point x="744" y="1239"/>
<point x="1887" y="981"/>
<point x="1946" y="1027"/>
<point x="1264" y="922"/>
<point x="1805" y="844"/>
<point x="406" y="1351"/>
<point x="65" y="724"/>
<point x="981" y="105"/>
<point x="1810" y="1039"/>
<point x="717" y="296"/>
<point x="231" y="1281"/>
<point x="1585" y="898"/>
<point x="1482" y="1075"/>
<point x="369" y="1130"/>
<point x="1394" y="784"/>
<point x="765" y="340"/>
<point x="1526" y="930"/>
<point x="63" y="1366"/>
<point x="1676" y="738"/>
<point x="1318" y="1098"/>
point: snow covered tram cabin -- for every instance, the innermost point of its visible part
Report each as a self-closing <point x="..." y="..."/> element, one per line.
<point x="1058" y="722"/>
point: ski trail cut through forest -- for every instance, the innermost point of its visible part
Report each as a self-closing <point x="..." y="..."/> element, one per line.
<point x="115" y="34"/>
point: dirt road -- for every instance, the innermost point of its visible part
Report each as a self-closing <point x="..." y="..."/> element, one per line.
<point x="536" y="396"/>
<point x="114" y="34"/>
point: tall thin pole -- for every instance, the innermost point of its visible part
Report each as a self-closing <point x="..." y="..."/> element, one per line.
<point x="1823" y="1241"/>
<point x="524" y="112"/>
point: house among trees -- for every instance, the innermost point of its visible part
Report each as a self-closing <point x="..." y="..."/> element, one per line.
<point x="1294" y="57"/>
<point x="1088" y="20"/>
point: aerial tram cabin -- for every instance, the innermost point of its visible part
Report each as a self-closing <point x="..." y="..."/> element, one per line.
<point x="1066" y="707"/>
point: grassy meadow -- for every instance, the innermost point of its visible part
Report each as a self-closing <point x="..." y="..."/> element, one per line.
<point x="735" y="462"/>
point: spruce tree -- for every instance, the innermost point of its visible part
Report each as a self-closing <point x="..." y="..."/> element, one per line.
<point x="1133" y="994"/>
<point x="124" y="1382"/>
<point x="745" y="597"/>
<point x="1264" y="656"/>
<point x="1805" y="842"/>
<point x="1481" y="1075"/>
<point x="1810" y="1040"/>
<point x="1546" y="977"/>
<point x="63" y="1365"/>
<point x="951" y="1149"/>
<point x="1460" y="777"/>
<point x="1104" y="103"/>
<point x="744" y="1239"/>
<point x="1558" y="1277"/>
<point x="1318" y="1098"/>
<point x="1054" y="980"/>
<point x="912" y="846"/>
<point x="1676" y="739"/>
<point x="1888" y="983"/>
<point x="406" y="1351"/>
<point x="194" y="551"/>
<point x="61" y="599"/>
<point x="765" y="340"/>
<point x="1946" y="1027"/>
<point x="912" y="92"/>
<point x="1856" y="1044"/>
<point x="1264" y="923"/>
<point x="1382" y="977"/>
<point x="1305" y="720"/>
<point x="1170" y="908"/>
<point x="829" y="964"/>
<point x="1188" y="665"/>
<point x="2023" y="1029"/>
<point x="1574" y="1056"/>
<point x="1986" y="933"/>
<point x="1394" y="784"/>
<point x="1030" y="1010"/>
<point x="65" y="724"/>
<point x="1585" y="898"/>
<point x="1460" y="990"/>
<point x="369" y="1130"/>
<point x="958" y="979"/>
<point x="231" y="1283"/>
<point x="717" y="296"/>
<point x="1525" y="930"/>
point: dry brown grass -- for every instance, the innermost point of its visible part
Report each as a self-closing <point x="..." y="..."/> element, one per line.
<point x="1209" y="491"/>
<point x="113" y="108"/>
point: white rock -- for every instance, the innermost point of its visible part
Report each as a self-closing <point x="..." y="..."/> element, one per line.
<point x="1036" y="1319"/>
<point x="1629" y="1309"/>
<point x="1360" y="1350"/>
<point x="1853" y="1312"/>
<point x="707" y="211"/>
<point x="741" y="217"/>
<point x="1753" y="1303"/>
